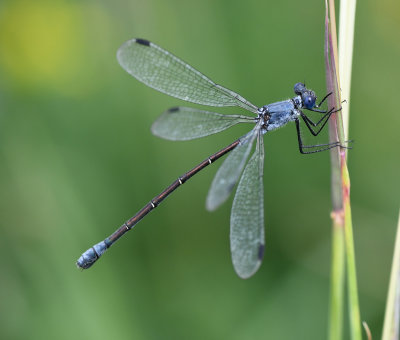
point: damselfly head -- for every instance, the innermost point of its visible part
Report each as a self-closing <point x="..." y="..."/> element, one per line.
<point x="308" y="97"/>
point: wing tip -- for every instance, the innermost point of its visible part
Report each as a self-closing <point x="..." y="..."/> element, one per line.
<point x="244" y="271"/>
<point x="210" y="206"/>
<point x="122" y="49"/>
<point x="212" y="203"/>
<point x="246" y="274"/>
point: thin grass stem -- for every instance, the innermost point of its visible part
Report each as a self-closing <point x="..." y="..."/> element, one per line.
<point x="340" y="181"/>
<point x="391" y="322"/>
<point x="337" y="283"/>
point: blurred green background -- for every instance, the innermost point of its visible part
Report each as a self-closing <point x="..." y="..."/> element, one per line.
<point x="77" y="159"/>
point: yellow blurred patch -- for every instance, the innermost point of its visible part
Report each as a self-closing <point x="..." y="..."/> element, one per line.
<point x="43" y="45"/>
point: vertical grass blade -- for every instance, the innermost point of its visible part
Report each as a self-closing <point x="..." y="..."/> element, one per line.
<point x="391" y="322"/>
<point x="338" y="242"/>
<point x="346" y="41"/>
<point x="354" y="309"/>
<point x="343" y="243"/>
<point x="337" y="282"/>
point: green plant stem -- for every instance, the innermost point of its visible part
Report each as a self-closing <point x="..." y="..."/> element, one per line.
<point x="354" y="309"/>
<point x="340" y="184"/>
<point x="337" y="282"/>
<point x="338" y="238"/>
<point x="391" y="323"/>
<point x="346" y="42"/>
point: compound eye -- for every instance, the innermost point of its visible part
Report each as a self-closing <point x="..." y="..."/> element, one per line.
<point x="309" y="102"/>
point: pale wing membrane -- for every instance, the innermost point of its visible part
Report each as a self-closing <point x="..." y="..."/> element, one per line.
<point x="230" y="170"/>
<point x="247" y="217"/>
<point x="184" y="123"/>
<point x="166" y="73"/>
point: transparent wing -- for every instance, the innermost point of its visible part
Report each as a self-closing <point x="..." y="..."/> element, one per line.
<point x="230" y="170"/>
<point x="166" y="73"/>
<point x="184" y="123"/>
<point x="247" y="217"/>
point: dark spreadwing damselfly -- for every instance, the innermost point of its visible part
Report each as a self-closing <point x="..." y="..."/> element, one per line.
<point x="166" y="73"/>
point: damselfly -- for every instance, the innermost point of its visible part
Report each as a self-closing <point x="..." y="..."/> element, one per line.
<point x="166" y="73"/>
